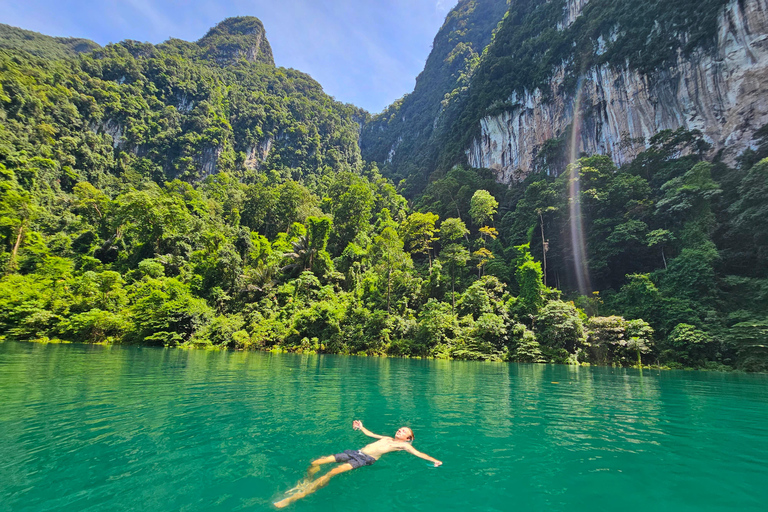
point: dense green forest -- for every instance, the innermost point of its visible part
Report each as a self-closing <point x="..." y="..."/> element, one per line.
<point x="193" y="194"/>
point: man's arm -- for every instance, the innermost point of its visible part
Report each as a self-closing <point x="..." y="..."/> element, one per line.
<point x="414" y="451"/>
<point x="358" y="425"/>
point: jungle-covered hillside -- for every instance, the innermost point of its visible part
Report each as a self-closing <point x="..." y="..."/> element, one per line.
<point x="192" y="193"/>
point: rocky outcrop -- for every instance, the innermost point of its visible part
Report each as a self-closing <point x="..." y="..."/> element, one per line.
<point x="237" y="38"/>
<point x="722" y="91"/>
<point x="208" y="160"/>
<point x="257" y="154"/>
<point x="572" y="10"/>
<point x="113" y="128"/>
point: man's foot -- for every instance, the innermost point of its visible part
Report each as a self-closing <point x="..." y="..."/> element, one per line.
<point x="299" y="487"/>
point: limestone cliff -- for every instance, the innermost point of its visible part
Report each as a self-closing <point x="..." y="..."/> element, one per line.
<point x="721" y="90"/>
<point x="405" y="137"/>
<point x="242" y="37"/>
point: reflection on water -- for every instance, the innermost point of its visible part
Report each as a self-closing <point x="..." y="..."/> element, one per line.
<point x="99" y="428"/>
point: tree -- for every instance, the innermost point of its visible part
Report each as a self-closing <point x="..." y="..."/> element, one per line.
<point x="294" y="204"/>
<point x="558" y="326"/>
<point x="436" y="325"/>
<point x="482" y="207"/>
<point x="17" y="212"/>
<point x="751" y="341"/>
<point x="483" y="296"/>
<point x="418" y="232"/>
<point x="660" y="238"/>
<point x="164" y="312"/>
<point x="456" y="256"/>
<point x="311" y="245"/>
<point x="640" y="340"/>
<point x="544" y="241"/>
<point x="451" y="230"/>
<point x="531" y="289"/>
<point x="483" y="254"/>
<point x="747" y="231"/>
<point x="613" y="339"/>
<point x="527" y="349"/>
<point x="91" y="198"/>
<point x="351" y="201"/>
<point x="388" y="250"/>
<point x="687" y="345"/>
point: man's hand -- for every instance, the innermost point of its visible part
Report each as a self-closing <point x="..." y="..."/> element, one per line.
<point x="438" y="463"/>
<point x="357" y="425"/>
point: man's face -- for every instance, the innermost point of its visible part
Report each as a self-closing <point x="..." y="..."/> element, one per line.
<point x="404" y="434"/>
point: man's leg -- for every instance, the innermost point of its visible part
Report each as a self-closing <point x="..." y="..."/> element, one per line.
<point x="314" y="485"/>
<point x="315" y="465"/>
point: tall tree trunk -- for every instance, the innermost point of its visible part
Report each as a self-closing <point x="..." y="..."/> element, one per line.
<point x="543" y="247"/>
<point x="453" y="290"/>
<point x="19" y="237"/>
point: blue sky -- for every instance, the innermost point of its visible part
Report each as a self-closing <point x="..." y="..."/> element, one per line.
<point x="362" y="52"/>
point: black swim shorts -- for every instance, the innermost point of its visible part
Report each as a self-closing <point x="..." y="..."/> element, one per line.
<point x="356" y="458"/>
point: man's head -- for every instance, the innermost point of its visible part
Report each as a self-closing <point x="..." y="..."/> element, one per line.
<point x="404" y="434"/>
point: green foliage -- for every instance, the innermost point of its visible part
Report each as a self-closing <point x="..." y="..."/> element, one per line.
<point x="164" y="312"/>
<point x="452" y="229"/>
<point x="614" y="339"/>
<point x="166" y="111"/>
<point x="529" y="282"/>
<point x="687" y="345"/>
<point x="527" y="349"/>
<point x="47" y="47"/>
<point x="751" y="342"/>
<point x="482" y="207"/>
<point x="95" y="326"/>
<point x="559" y="326"/>
<point x="418" y="232"/>
<point x="482" y="297"/>
<point x="351" y="201"/>
<point x="437" y="325"/>
<point x="746" y="237"/>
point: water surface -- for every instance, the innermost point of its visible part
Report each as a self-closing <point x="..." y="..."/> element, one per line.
<point x="90" y="428"/>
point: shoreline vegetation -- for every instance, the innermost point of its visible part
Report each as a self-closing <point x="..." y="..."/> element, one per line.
<point x="286" y="350"/>
<point x="182" y="195"/>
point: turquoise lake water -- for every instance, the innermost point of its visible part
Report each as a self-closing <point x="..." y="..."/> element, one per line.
<point x="90" y="428"/>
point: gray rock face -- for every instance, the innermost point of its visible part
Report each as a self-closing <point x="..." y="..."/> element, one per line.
<point x="112" y="128"/>
<point x="208" y="160"/>
<point x="257" y="154"/>
<point x="722" y="92"/>
<point x="238" y="38"/>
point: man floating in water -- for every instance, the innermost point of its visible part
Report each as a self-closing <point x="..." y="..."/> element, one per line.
<point x="353" y="459"/>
